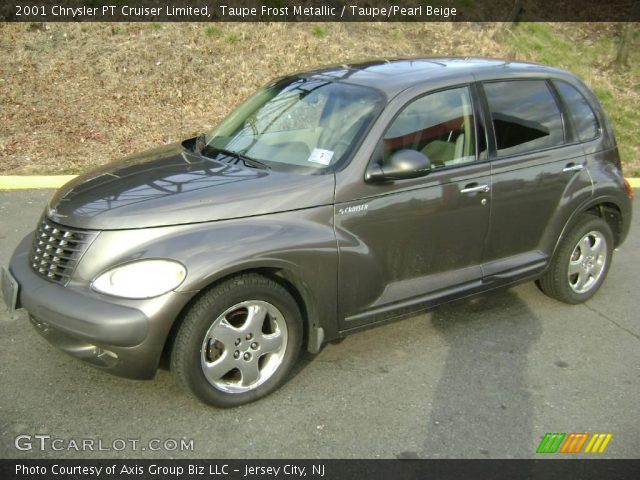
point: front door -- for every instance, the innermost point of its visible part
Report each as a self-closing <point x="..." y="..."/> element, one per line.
<point x="416" y="239"/>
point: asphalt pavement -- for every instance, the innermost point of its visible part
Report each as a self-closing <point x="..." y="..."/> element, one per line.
<point x="484" y="378"/>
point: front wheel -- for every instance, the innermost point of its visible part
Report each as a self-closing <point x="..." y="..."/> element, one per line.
<point x="238" y="342"/>
<point x="581" y="263"/>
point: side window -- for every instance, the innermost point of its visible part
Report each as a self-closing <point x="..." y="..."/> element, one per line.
<point x="525" y="116"/>
<point x="582" y="117"/>
<point x="440" y="125"/>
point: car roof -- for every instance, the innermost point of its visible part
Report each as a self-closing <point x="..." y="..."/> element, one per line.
<point x="395" y="75"/>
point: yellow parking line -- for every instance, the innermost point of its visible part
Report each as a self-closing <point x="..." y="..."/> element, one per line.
<point x="20" y="182"/>
<point x="634" y="182"/>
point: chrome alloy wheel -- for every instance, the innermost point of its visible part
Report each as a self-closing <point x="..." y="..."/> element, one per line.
<point x="244" y="346"/>
<point x="587" y="262"/>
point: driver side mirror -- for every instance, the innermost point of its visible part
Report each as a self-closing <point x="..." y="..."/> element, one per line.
<point x="401" y="165"/>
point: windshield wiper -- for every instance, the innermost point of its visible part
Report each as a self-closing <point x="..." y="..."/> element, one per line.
<point x="240" y="156"/>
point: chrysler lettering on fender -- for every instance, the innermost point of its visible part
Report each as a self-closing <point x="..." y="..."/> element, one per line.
<point x="354" y="209"/>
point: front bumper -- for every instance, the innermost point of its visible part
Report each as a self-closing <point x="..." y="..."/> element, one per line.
<point x="123" y="337"/>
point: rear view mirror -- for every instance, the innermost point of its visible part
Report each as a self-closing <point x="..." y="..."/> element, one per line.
<point x="401" y="165"/>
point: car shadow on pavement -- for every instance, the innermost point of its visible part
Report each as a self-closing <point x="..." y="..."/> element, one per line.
<point x="482" y="407"/>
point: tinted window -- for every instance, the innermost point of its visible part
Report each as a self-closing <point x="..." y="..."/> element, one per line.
<point x="525" y="116"/>
<point x="440" y="125"/>
<point x="583" y="119"/>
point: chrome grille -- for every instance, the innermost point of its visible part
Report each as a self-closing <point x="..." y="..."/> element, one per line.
<point x="57" y="249"/>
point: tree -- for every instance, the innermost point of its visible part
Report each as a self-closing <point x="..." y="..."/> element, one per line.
<point x="626" y="40"/>
<point x="509" y="21"/>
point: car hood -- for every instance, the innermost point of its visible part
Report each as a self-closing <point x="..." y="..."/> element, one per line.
<point x="173" y="185"/>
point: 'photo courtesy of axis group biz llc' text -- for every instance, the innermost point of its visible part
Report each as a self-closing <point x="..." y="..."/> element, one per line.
<point x="319" y="239"/>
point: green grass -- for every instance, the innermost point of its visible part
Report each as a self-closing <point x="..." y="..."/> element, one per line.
<point x="592" y="62"/>
<point x="395" y="35"/>
<point x="604" y="94"/>
<point x="537" y="39"/>
<point x="213" y="31"/>
<point x="232" y="38"/>
<point x="318" y="31"/>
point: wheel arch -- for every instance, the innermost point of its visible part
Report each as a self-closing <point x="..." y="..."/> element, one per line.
<point x="605" y="207"/>
<point x="313" y="333"/>
<point x="612" y="214"/>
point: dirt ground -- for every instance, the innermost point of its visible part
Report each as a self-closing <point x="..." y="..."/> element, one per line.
<point x="76" y="95"/>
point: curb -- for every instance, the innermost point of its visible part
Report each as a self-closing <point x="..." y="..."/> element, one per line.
<point x="24" y="182"/>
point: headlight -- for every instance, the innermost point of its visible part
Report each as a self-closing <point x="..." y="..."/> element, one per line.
<point x="141" y="279"/>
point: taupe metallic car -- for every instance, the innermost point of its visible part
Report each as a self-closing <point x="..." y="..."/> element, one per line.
<point x="329" y="202"/>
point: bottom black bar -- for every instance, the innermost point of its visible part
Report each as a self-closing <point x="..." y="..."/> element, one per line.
<point x="322" y="469"/>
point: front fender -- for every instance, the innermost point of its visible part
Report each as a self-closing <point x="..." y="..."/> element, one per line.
<point x="301" y="244"/>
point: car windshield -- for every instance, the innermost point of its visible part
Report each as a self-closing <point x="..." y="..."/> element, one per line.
<point x="305" y="125"/>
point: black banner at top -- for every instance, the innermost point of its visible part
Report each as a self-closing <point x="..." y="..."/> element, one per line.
<point x="319" y="10"/>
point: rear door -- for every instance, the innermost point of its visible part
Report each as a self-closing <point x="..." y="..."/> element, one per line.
<point x="536" y="170"/>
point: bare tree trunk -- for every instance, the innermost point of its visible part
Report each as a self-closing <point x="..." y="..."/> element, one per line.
<point x="622" y="56"/>
<point x="517" y="7"/>
<point x="509" y="21"/>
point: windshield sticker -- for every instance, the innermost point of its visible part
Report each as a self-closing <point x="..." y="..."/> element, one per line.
<point x="320" y="155"/>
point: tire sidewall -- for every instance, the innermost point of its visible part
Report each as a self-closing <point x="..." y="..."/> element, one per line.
<point x="203" y="318"/>
<point x="589" y="224"/>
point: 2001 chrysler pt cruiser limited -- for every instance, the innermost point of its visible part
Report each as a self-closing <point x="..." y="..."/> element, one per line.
<point x="330" y="201"/>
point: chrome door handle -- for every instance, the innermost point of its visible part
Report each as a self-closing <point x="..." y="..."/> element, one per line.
<point x="477" y="188"/>
<point x="573" y="168"/>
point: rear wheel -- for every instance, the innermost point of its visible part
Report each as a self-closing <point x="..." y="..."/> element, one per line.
<point x="238" y="342"/>
<point x="581" y="263"/>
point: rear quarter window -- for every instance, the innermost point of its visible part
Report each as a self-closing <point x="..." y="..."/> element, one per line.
<point x="525" y="116"/>
<point x="582" y="117"/>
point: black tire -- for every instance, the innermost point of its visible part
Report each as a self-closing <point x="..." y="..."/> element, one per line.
<point x="193" y="352"/>
<point x="558" y="283"/>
